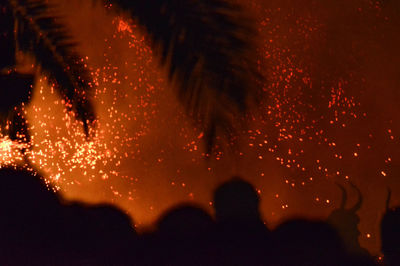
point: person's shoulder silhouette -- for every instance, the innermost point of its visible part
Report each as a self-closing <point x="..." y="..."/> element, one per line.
<point x="182" y="236"/>
<point x="308" y="243"/>
<point x="390" y="234"/>
<point x="30" y="215"/>
<point x="185" y="220"/>
<point x="25" y="200"/>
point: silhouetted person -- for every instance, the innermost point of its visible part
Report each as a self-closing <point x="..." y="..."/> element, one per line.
<point x="98" y="235"/>
<point x="30" y="218"/>
<point x="346" y="223"/>
<point x="390" y="234"/>
<point x="185" y="221"/>
<point x="241" y="238"/>
<point x="236" y="201"/>
<point x="182" y="237"/>
<point x="36" y="229"/>
<point x="305" y="242"/>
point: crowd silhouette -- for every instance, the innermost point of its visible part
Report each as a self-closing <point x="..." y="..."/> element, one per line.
<point x="38" y="228"/>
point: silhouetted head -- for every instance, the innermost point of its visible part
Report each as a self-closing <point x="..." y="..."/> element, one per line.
<point x="346" y="220"/>
<point x="97" y="234"/>
<point x="111" y="220"/>
<point x="182" y="236"/>
<point x="24" y="194"/>
<point x="236" y="200"/>
<point x="185" y="220"/>
<point x="390" y="234"/>
<point x="306" y="242"/>
<point x="30" y="216"/>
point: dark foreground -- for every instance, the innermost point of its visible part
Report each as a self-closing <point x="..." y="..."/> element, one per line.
<point x="37" y="229"/>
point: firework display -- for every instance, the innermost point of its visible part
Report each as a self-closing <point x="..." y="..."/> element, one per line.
<point x="328" y="114"/>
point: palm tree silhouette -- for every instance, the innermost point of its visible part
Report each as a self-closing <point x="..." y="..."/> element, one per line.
<point x="29" y="27"/>
<point x="206" y="47"/>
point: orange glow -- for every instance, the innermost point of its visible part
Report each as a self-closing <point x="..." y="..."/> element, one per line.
<point x="312" y="127"/>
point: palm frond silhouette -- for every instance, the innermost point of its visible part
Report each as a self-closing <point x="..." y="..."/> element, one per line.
<point x="31" y="26"/>
<point x="206" y="47"/>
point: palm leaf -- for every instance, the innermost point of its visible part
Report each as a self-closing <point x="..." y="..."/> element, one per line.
<point x="208" y="49"/>
<point x="42" y="34"/>
<point x="7" y="41"/>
